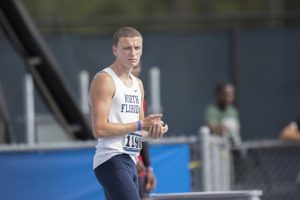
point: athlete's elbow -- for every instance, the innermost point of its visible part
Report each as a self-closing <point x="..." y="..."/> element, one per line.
<point x="100" y="132"/>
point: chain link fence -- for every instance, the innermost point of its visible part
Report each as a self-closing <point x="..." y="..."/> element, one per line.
<point x="272" y="166"/>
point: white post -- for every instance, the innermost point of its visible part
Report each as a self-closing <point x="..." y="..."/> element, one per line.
<point x="29" y="110"/>
<point x="206" y="158"/>
<point x="155" y="99"/>
<point x="227" y="164"/>
<point x="84" y="91"/>
<point x="216" y="165"/>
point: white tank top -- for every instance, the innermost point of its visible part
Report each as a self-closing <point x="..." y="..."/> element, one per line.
<point x="125" y="108"/>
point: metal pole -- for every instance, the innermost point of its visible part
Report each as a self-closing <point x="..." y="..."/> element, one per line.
<point x="206" y="160"/>
<point x="227" y="164"/>
<point x="155" y="100"/>
<point x="216" y="164"/>
<point x="84" y="91"/>
<point x="29" y="110"/>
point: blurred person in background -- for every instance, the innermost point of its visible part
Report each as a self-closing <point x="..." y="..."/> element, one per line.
<point x="116" y="98"/>
<point x="147" y="181"/>
<point x="291" y="131"/>
<point x="222" y="117"/>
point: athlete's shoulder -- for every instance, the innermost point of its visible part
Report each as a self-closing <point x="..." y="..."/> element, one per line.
<point x="103" y="82"/>
<point x="102" y="76"/>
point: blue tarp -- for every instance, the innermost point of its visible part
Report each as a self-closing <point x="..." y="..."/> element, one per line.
<point x="68" y="174"/>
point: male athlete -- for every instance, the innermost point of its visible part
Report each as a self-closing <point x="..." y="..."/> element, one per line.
<point x="118" y="118"/>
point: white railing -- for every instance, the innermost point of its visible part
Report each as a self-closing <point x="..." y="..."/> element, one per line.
<point x="216" y="161"/>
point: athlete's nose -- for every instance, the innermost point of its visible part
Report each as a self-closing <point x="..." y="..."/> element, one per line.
<point x="132" y="51"/>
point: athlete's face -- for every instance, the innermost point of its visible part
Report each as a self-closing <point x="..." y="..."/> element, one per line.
<point x="128" y="51"/>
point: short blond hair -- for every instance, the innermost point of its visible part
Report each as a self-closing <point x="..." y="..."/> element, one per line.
<point x="125" y="32"/>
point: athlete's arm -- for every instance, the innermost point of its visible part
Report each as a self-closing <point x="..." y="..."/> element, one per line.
<point x="101" y="93"/>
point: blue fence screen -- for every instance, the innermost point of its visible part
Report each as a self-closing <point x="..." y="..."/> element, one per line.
<point x="68" y="174"/>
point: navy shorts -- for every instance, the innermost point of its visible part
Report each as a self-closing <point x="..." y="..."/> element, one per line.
<point x="119" y="179"/>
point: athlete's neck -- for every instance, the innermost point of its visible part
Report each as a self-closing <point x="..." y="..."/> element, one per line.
<point x="123" y="73"/>
<point x="121" y="70"/>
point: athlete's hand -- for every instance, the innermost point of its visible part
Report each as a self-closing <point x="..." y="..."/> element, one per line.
<point x="151" y="120"/>
<point x="157" y="130"/>
<point x="150" y="181"/>
<point x="165" y="128"/>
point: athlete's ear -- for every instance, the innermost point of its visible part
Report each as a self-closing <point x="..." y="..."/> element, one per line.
<point x="114" y="49"/>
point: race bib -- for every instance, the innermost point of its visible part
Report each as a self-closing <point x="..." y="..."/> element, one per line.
<point x="133" y="143"/>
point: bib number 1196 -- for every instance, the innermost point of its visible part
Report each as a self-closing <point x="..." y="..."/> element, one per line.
<point x="133" y="142"/>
